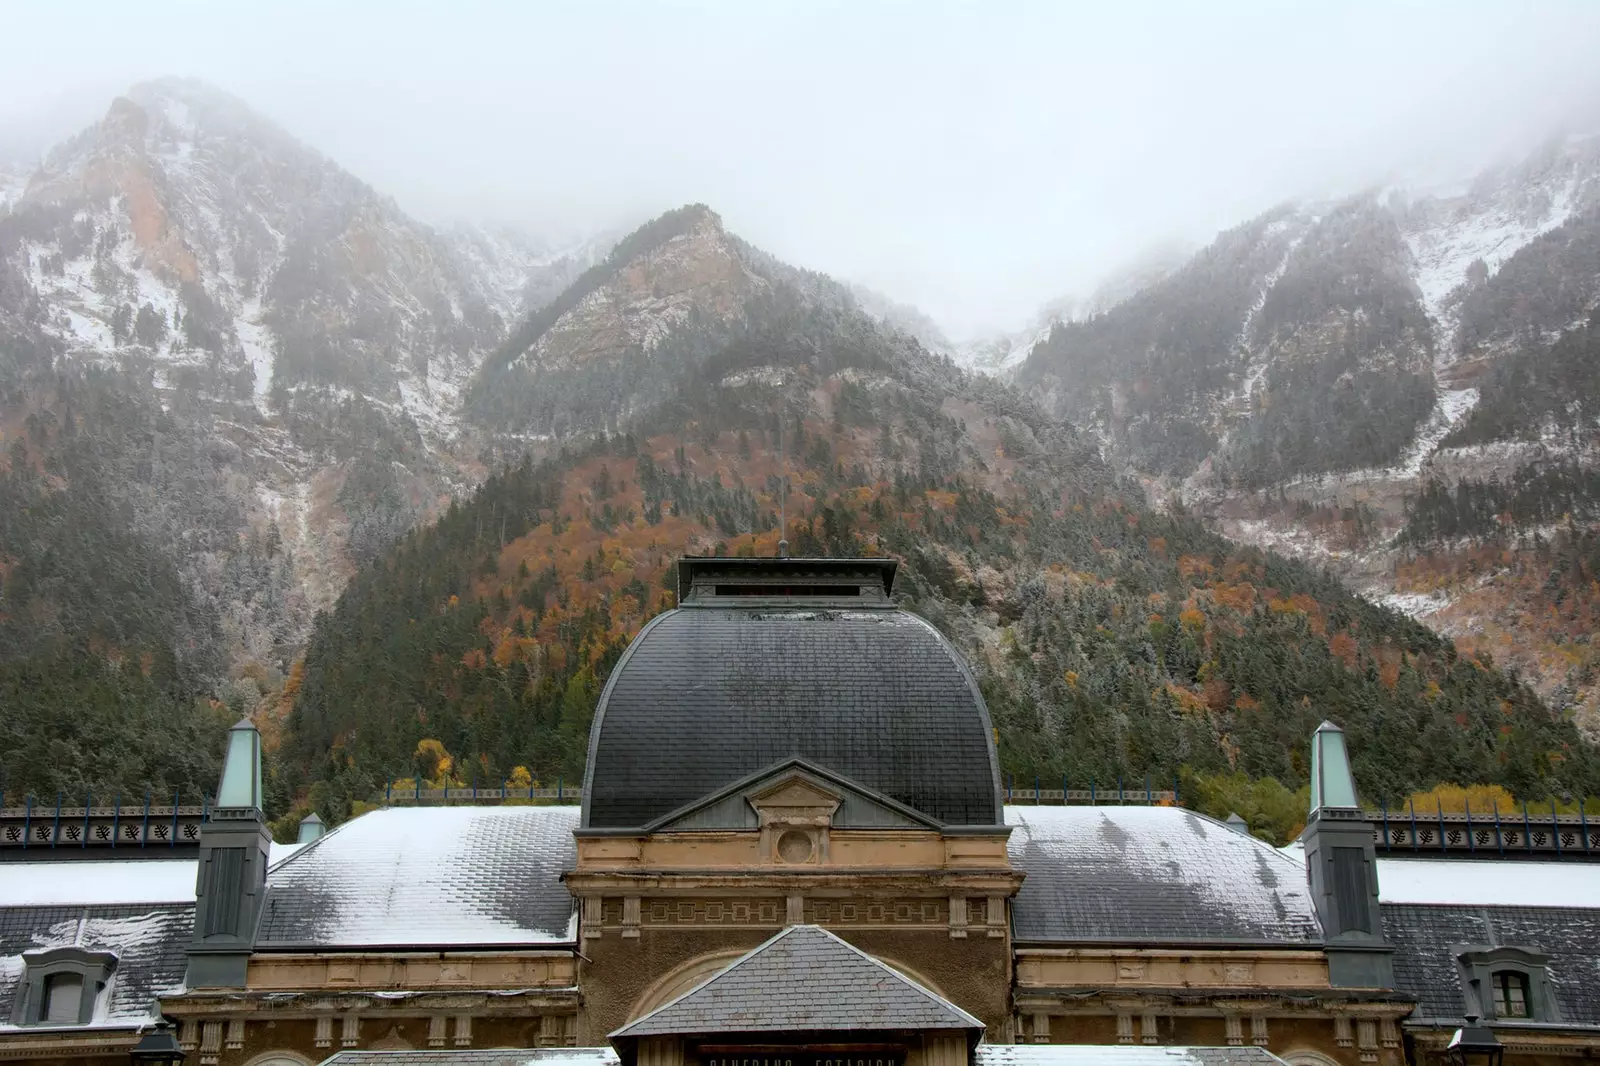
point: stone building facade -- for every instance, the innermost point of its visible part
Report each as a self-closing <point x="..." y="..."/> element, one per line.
<point x="789" y="771"/>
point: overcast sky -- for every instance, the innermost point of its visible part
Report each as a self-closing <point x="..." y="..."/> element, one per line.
<point x="975" y="159"/>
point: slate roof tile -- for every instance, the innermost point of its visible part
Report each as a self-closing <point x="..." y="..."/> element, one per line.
<point x="1426" y="937"/>
<point x="706" y="696"/>
<point x="149" y="941"/>
<point x="431" y="876"/>
<point x="1152" y="874"/>
<point x="803" y="979"/>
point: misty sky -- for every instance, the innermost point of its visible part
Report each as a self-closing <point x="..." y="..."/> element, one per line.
<point x="974" y="159"/>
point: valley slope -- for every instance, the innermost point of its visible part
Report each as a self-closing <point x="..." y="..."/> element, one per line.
<point x="1111" y="640"/>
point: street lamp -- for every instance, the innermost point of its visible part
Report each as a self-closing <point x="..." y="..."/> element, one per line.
<point x="157" y="1048"/>
<point x="1474" y="1045"/>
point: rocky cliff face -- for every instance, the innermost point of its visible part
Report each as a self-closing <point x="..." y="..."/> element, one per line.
<point x="697" y="273"/>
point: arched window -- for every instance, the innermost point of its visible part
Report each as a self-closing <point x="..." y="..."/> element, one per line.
<point x="1512" y="996"/>
<point x="279" y="1058"/>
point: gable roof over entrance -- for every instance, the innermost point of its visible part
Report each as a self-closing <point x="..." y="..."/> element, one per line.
<point x="805" y="979"/>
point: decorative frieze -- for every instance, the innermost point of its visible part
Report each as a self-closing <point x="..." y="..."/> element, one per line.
<point x="697" y="912"/>
<point x="1341" y="1030"/>
<point x="1233" y="1029"/>
<point x="419" y="971"/>
<point x="1160" y="968"/>
<point x="235" y="1038"/>
<point x="324" y="1036"/>
<point x="1149" y="1028"/>
<point x="437" y="1025"/>
<point x="1258" y="1030"/>
<point x="350" y="1030"/>
<point x="629" y="913"/>
<point x="463" y="1030"/>
<point x="1124" y="1027"/>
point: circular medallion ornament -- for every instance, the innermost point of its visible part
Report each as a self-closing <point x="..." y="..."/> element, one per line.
<point x="794" y="846"/>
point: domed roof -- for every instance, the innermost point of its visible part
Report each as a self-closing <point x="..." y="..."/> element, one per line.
<point x="773" y="659"/>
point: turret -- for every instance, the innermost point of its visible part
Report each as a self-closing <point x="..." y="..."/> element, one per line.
<point x="1342" y="867"/>
<point x="231" y="883"/>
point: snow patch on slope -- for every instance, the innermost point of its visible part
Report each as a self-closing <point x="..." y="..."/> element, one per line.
<point x="13" y="183"/>
<point x="256" y="340"/>
<point x="1447" y="236"/>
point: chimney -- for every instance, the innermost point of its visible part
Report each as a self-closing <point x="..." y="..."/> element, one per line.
<point x="1342" y="867"/>
<point x="231" y="883"/>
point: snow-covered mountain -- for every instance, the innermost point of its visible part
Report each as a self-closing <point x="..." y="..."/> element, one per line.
<point x="1318" y="378"/>
<point x="299" y="320"/>
<point x="13" y="183"/>
<point x="267" y="264"/>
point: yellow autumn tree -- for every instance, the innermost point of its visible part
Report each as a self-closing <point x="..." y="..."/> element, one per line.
<point x="1456" y="799"/>
<point x="433" y="763"/>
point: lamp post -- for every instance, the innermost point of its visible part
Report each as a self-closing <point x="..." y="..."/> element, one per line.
<point x="1474" y="1045"/>
<point x="158" y="1047"/>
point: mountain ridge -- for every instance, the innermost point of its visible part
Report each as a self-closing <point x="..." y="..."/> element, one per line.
<point x="1323" y="441"/>
<point x="630" y="417"/>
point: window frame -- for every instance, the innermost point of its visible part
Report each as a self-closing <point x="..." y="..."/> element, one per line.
<point x="94" y="968"/>
<point x="1479" y="965"/>
<point x="1501" y="984"/>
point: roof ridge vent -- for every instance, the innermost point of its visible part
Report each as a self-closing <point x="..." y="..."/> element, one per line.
<point x="744" y="581"/>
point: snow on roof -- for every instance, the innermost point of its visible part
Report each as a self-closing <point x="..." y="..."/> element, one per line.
<point x="426" y="877"/>
<point x="42" y="884"/>
<point x="1480" y="882"/>
<point x="1489" y="883"/>
<point x="1153" y="874"/>
<point x="544" y="1056"/>
<point x="149" y="943"/>
<point x="1114" y="1055"/>
<point x="277" y="852"/>
<point x="985" y="1055"/>
<point x="127" y="879"/>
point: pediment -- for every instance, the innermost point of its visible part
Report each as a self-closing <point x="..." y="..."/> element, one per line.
<point x="794" y="791"/>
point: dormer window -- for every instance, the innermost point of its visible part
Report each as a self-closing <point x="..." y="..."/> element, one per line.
<point x="61" y="986"/>
<point x="1506" y="984"/>
<point x="1512" y="997"/>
